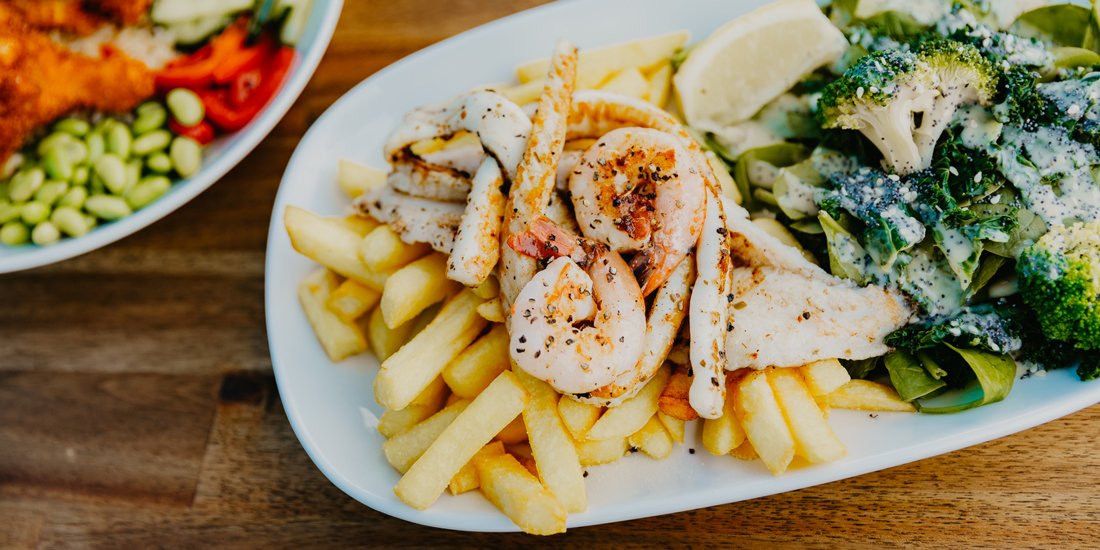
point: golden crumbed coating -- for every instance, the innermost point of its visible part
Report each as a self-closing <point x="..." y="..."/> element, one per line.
<point x="80" y="17"/>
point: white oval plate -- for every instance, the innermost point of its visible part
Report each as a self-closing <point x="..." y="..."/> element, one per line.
<point x="218" y="159"/>
<point x="331" y="406"/>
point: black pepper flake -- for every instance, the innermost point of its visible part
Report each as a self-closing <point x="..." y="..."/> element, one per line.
<point x="729" y="298"/>
<point x="714" y="381"/>
<point x="521" y="350"/>
<point x="691" y="451"/>
<point x="805" y="314"/>
<point x="633" y="449"/>
<point x="721" y="230"/>
<point x="585" y="474"/>
<point x="523" y="339"/>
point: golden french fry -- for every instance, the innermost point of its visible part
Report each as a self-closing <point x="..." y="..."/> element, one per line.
<point x="361" y="225"/>
<point x="352" y="299"/>
<point x="745" y="451"/>
<point x="339" y="338"/>
<point x="467" y="478"/>
<point x="629" y="82"/>
<point x="486" y="415"/>
<point x="356" y="179"/>
<point x="479" y="364"/>
<point x="426" y="404"/>
<point x="652" y="439"/>
<point x="414" y="288"/>
<point x="723" y="434"/>
<point x="825" y="376"/>
<point x="763" y="420"/>
<point x="865" y="395"/>
<point x="382" y="249"/>
<point x="408" y="371"/>
<point x="488" y="289"/>
<point x="331" y="243"/>
<point x="513" y="433"/>
<point x="527" y="92"/>
<point x="675" y="426"/>
<point x="518" y="493"/>
<point x="403" y="449"/>
<point x="632" y="414"/>
<point x="578" y="417"/>
<point x="674" y="397"/>
<point x="492" y="311"/>
<point x="814" y="439"/>
<point x="594" y="65"/>
<point x="385" y="341"/>
<point x="606" y="451"/>
<point x="553" y="449"/>
<point x="660" y="81"/>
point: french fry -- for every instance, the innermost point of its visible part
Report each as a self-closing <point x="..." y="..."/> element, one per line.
<point x="578" y="417"/>
<point x="675" y="426"/>
<point x="467" y="479"/>
<point x="594" y="65"/>
<point x="492" y="311"/>
<point x="403" y="449"/>
<point x="426" y="404"/>
<point x="356" y="179"/>
<point x="331" y="243"/>
<point x="553" y="449"/>
<point x="674" y="397"/>
<point x="527" y="92"/>
<point x="339" y="338"/>
<point x="763" y="421"/>
<point x="865" y="395"/>
<point x="660" y="80"/>
<point x="414" y="288"/>
<point x="632" y="414"/>
<point x="479" y="364"/>
<point x="407" y="372"/>
<point x="460" y="138"/>
<point x="352" y="299"/>
<point x="382" y="249"/>
<point x="745" y="451"/>
<point x="652" y="439"/>
<point x="814" y="439"/>
<point x="361" y="225"/>
<point x="825" y="376"/>
<point x="513" y="433"/>
<point x="723" y="434"/>
<point x="629" y="82"/>
<point x="517" y="493"/>
<point x="488" y="289"/>
<point x="486" y="415"/>
<point x="592" y="453"/>
<point x="385" y="341"/>
<point x="524" y="454"/>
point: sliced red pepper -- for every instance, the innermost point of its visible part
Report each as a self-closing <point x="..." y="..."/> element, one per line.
<point x="245" y="85"/>
<point x="197" y="70"/>
<point x="236" y="63"/>
<point x="202" y="132"/>
<point x="229" y="117"/>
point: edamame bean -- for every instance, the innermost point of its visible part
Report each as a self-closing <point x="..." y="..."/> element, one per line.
<point x="107" y="207"/>
<point x="14" y="234"/>
<point x="96" y="146"/>
<point x="52" y="141"/>
<point x="34" y="212"/>
<point x="119" y="140"/>
<point x="57" y="165"/>
<point x="159" y="162"/>
<point x="146" y="107"/>
<point x="133" y="174"/>
<point x="80" y="175"/>
<point x="147" y="190"/>
<point x="8" y="211"/>
<point x="91" y="221"/>
<point x="73" y="126"/>
<point x="151" y="141"/>
<point x="76" y="152"/>
<point x="74" y="197"/>
<point x="45" y="234"/>
<point x="186" y="155"/>
<point x="25" y="183"/>
<point x="70" y="221"/>
<point x="51" y="191"/>
<point x="153" y="118"/>
<point x="112" y="172"/>
<point x="186" y="106"/>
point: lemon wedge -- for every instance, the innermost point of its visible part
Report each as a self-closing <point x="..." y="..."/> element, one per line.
<point x="753" y="59"/>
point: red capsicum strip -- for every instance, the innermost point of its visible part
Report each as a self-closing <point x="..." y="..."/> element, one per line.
<point x="202" y="132"/>
<point x="225" y="113"/>
<point x="197" y="70"/>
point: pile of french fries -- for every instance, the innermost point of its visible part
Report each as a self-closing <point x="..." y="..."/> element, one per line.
<point x="458" y="416"/>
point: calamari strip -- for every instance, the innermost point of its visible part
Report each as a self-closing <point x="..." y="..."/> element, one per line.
<point x="477" y="242"/>
<point x="415" y="219"/>
<point x="709" y="318"/>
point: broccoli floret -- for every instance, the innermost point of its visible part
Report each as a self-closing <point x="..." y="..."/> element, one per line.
<point x="992" y="327"/>
<point x="1075" y="105"/>
<point x="902" y="101"/>
<point x="879" y="201"/>
<point x="1059" y="278"/>
<point x="1002" y="48"/>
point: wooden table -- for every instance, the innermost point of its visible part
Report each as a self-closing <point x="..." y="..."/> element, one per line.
<point x="138" y="408"/>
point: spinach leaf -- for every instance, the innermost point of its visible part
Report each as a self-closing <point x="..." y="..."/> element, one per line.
<point x="860" y="368"/>
<point x="847" y="258"/>
<point x="995" y="374"/>
<point x="1069" y="57"/>
<point x="779" y="155"/>
<point x="909" y="377"/>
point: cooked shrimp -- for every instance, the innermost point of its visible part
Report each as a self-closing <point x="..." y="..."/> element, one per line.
<point x="579" y="330"/>
<point x="709" y="312"/>
<point x="477" y="241"/>
<point x="639" y="190"/>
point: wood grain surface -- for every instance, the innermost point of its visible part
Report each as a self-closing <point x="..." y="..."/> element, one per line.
<point x="138" y="409"/>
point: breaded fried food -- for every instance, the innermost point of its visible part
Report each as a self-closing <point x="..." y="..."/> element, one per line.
<point x="126" y="12"/>
<point x="79" y="17"/>
<point x="41" y="80"/>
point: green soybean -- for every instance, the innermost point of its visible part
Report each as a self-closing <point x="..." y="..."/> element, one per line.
<point x="9" y="211"/>
<point x="72" y="126"/>
<point x="70" y="221"/>
<point x="80" y="175"/>
<point x="159" y="163"/>
<point x="107" y="207"/>
<point x="34" y="212"/>
<point x="45" y="234"/>
<point x="74" y="197"/>
<point x="76" y="152"/>
<point x="147" y="106"/>
<point x="153" y="118"/>
<point x="147" y="190"/>
<point x="52" y="141"/>
<point x="57" y="165"/>
<point x="186" y="155"/>
<point x="186" y="106"/>
<point x="25" y="183"/>
<point x="51" y="191"/>
<point x="112" y="172"/>
<point x="91" y="221"/>
<point x="14" y="233"/>
<point x="133" y="174"/>
<point x="119" y="140"/>
<point x="151" y="141"/>
<point x="96" y="146"/>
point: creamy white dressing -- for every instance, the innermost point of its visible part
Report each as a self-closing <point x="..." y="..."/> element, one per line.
<point x="978" y="127"/>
